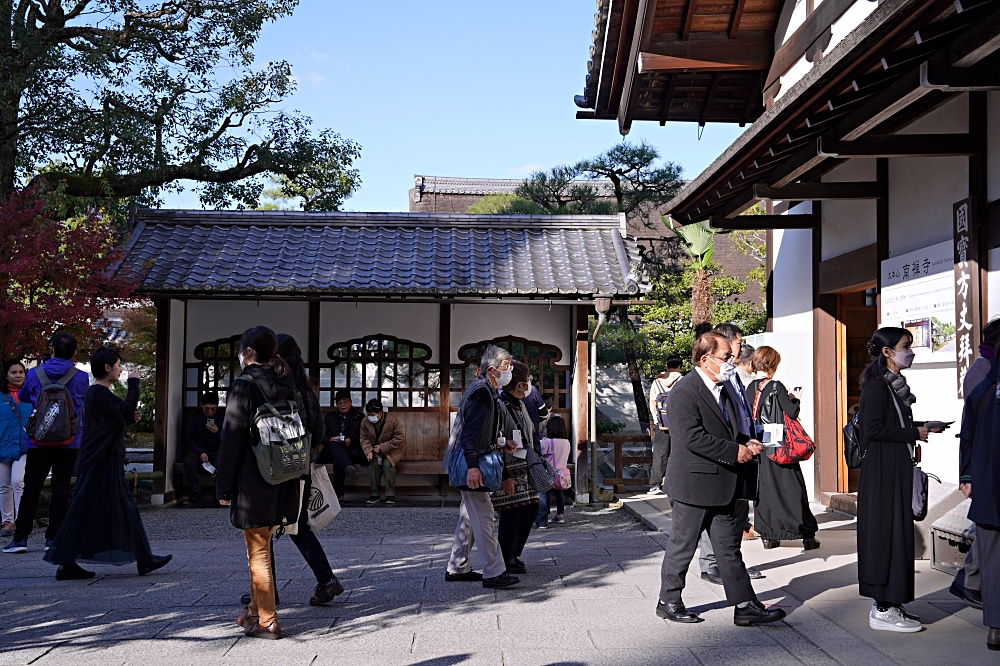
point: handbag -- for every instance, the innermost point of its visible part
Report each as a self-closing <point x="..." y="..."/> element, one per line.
<point x="854" y="455"/>
<point x="918" y="502"/>
<point x="541" y="475"/>
<point x="797" y="445"/>
<point x="490" y="466"/>
<point x="323" y="503"/>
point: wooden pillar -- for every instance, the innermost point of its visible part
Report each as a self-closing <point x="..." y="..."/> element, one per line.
<point x="881" y="226"/>
<point x="826" y="459"/>
<point x="978" y="190"/>
<point x="162" y="394"/>
<point x="769" y="278"/>
<point x="444" y="347"/>
<point x="581" y="369"/>
<point x="312" y="354"/>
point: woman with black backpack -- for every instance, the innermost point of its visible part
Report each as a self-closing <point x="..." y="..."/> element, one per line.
<point x="888" y="439"/>
<point x="257" y="506"/>
<point x="781" y="513"/>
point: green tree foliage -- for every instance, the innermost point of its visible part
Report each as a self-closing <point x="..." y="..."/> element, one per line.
<point x="560" y="192"/>
<point x="698" y="241"/>
<point x="494" y="204"/>
<point x="118" y="99"/>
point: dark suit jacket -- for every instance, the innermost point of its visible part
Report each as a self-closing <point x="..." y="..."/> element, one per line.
<point x="702" y="468"/>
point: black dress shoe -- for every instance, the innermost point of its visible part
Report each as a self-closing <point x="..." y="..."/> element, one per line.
<point x="326" y="592"/>
<point x="675" y="613"/>
<point x="501" y="581"/>
<point x="73" y="572"/>
<point x="468" y="576"/>
<point x="712" y="578"/>
<point x="152" y="563"/>
<point x="517" y="568"/>
<point x="754" y="613"/>
<point x="972" y="597"/>
<point x="352" y="471"/>
<point x="993" y="638"/>
<point x="755" y="574"/>
<point x="768" y="544"/>
<point x="810" y="544"/>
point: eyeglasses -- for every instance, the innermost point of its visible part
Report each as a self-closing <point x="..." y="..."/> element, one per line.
<point x="729" y="357"/>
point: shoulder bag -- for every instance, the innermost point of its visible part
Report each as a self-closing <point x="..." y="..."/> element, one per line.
<point x="920" y="478"/>
<point x="490" y="463"/>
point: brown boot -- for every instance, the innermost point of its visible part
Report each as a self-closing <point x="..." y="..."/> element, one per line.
<point x="245" y="619"/>
<point x="256" y="631"/>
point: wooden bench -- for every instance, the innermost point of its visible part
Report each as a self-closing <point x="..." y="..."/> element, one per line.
<point x="618" y="441"/>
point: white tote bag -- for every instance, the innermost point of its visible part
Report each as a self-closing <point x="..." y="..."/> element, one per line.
<point x="323" y="505"/>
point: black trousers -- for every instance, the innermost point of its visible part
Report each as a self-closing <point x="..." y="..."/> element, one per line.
<point x="661" y="451"/>
<point x="308" y="545"/>
<point x="192" y="463"/>
<point x="36" y="467"/>
<point x="514" y="528"/>
<point x="336" y="455"/>
<point x="725" y="529"/>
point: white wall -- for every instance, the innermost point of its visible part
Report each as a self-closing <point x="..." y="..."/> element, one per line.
<point x="848" y="225"/>
<point x="418" y="322"/>
<point x="923" y="189"/>
<point x="792" y="319"/>
<point x="993" y="285"/>
<point x="614" y="395"/>
<point x="549" y="324"/>
<point x="175" y="380"/>
<point x="213" y="319"/>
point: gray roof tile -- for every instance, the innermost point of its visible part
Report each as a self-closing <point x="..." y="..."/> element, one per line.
<point x="369" y="253"/>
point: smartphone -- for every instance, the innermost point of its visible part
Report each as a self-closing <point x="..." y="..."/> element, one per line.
<point x="797" y="388"/>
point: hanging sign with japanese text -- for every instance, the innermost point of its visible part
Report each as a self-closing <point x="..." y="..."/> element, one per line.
<point x="918" y="295"/>
<point x="966" y="279"/>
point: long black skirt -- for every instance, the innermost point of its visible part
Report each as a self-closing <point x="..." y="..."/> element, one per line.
<point x="781" y="512"/>
<point x="103" y="525"/>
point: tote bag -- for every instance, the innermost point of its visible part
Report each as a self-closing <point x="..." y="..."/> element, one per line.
<point x="323" y="503"/>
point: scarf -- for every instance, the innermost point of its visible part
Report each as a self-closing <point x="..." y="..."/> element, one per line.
<point x="899" y="385"/>
<point x="987" y="352"/>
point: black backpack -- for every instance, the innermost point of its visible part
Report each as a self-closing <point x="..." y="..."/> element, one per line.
<point x="54" y="422"/>
<point x="853" y="454"/>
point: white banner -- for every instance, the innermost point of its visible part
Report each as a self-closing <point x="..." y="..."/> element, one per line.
<point x="918" y="295"/>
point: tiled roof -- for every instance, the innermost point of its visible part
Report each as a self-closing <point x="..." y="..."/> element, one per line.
<point x="484" y="186"/>
<point x="380" y="253"/>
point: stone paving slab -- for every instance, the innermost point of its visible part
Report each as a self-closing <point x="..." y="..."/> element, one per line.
<point x="588" y="599"/>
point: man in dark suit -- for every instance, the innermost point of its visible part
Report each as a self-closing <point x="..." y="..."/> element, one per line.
<point x="705" y="473"/>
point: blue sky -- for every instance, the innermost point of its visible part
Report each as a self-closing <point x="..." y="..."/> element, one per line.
<point x="469" y="88"/>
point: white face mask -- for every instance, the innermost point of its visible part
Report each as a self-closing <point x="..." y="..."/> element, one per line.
<point x="726" y="370"/>
<point x="903" y="359"/>
<point x="373" y="418"/>
<point x="505" y="377"/>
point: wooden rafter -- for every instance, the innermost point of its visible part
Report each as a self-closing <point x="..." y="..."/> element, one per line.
<point x="668" y="97"/>
<point x="709" y="98"/>
<point x="734" y="22"/>
<point x="688" y="19"/>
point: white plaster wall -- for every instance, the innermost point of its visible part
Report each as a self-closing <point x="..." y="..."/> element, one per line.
<point x="418" y="322"/>
<point x="923" y="189"/>
<point x="993" y="143"/>
<point x="175" y="380"/>
<point x="549" y="324"/>
<point x="792" y="320"/>
<point x="213" y="319"/>
<point x="614" y="395"/>
<point x="848" y="225"/>
<point x="993" y="284"/>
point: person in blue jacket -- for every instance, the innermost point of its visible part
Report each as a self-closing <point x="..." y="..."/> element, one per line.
<point x="61" y="460"/>
<point x="13" y="444"/>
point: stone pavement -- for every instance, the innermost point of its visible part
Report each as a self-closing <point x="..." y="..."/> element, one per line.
<point x="588" y="598"/>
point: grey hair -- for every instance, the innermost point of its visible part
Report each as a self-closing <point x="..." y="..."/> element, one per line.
<point x="492" y="358"/>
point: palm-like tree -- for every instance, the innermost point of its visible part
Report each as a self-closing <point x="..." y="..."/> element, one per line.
<point x="698" y="240"/>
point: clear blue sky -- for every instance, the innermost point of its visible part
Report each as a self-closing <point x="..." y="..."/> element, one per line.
<point x="461" y="88"/>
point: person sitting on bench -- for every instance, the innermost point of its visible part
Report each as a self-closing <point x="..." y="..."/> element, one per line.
<point x="383" y="442"/>
<point x="202" y="439"/>
<point x="341" y="445"/>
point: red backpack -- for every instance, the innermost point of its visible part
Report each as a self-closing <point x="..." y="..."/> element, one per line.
<point x="797" y="445"/>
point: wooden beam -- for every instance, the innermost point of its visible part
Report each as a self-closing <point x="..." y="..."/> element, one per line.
<point x="688" y="19"/>
<point x="709" y="98"/>
<point x="898" y="145"/>
<point x="581" y="368"/>
<point x="881" y="226"/>
<point x="819" y="191"/>
<point x="444" y="364"/>
<point x="851" y="271"/>
<point x="979" y="43"/>
<point x="640" y="36"/>
<point x="622" y="54"/>
<point x="751" y="98"/>
<point x="162" y="411"/>
<point x="761" y="222"/>
<point x="752" y="51"/>
<point x="652" y="62"/>
<point x="938" y="76"/>
<point x="734" y="22"/>
<point x="668" y="97"/>
<point x="811" y="29"/>
<point x="312" y="346"/>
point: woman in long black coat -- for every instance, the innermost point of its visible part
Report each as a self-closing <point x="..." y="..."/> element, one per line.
<point x="885" y="489"/>
<point x="256" y="506"/>
<point x="103" y="524"/>
<point x="781" y="512"/>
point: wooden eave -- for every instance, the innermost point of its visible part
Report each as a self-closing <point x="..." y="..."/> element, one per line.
<point x="882" y="80"/>
<point x="680" y="60"/>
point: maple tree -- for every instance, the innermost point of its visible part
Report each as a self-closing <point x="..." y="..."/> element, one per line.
<point x="54" y="274"/>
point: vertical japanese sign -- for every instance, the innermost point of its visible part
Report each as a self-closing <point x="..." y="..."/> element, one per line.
<point x="966" y="289"/>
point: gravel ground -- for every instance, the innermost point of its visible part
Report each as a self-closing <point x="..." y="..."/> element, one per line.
<point x="169" y="523"/>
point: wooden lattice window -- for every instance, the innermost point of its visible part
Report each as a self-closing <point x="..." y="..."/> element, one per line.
<point x="218" y="365"/>
<point x="393" y="370"/>
<point x="542" y="361"/>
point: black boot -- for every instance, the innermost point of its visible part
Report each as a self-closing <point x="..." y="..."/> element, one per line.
<point x="73" y="572"/>
<point x="152" y="563"/>
<point x="325" y="592"/>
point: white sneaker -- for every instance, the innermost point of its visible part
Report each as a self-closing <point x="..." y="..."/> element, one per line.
<point x="892" y="620"/>
<point x="655" y="490"/>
